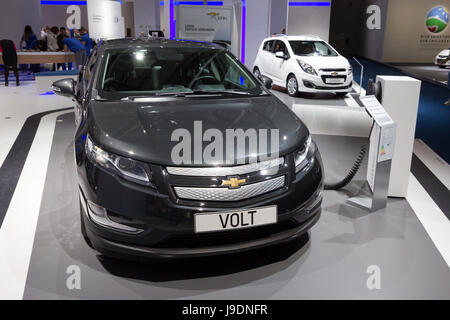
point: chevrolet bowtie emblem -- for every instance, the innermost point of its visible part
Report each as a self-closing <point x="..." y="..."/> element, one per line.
<point x="334" y="73"/>
<point x="233" y="183"/>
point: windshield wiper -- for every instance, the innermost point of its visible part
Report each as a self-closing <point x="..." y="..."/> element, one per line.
<point x="186" y="94"/>
<point x="244" y="93"/>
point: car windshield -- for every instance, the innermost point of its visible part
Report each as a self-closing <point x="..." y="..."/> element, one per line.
<point x="312" y="48"/>
<point x="166" y="71"/>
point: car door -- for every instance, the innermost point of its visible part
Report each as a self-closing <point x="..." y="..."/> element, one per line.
<point x="279" y="65"/>
<point x="266" y="58"/>
<point x="83" y="86"/>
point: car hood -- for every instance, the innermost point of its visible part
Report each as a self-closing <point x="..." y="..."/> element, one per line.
<point x="318" y="62"/>
<point x="445" y="52"/>
<point x="143" y="130"/>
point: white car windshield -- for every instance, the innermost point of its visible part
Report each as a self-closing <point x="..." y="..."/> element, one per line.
<point x="311" y="48"/>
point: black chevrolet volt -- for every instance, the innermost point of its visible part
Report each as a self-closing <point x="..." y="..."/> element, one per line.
<point x="182" y="152"/>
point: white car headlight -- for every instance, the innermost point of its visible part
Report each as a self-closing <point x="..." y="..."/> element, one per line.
<point x="350" y="70"/>
<point x="307" y="68"/>
<point x="128" y="169"/>
<point x="305" y="155"/>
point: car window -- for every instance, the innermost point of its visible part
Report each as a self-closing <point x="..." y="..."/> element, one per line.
<point x="280" y="46"/>
<point x="311" y="48"/>
<point x="167" y="70"/>
<point x="88" y="74"/>
<point x="268" y="45"/>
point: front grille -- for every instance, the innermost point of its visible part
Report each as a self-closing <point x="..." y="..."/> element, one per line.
<point x="333" y="70"/>
<point x="225" y="171"/>
<point x="225" y="237"/>
<point x="225" y="194"/>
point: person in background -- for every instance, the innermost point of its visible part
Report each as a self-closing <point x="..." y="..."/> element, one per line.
<point x="9" y="53"/>
<point x="41" y="45"/>
<point x="29" y="42"/>
<point x="60" y="40"/>
<point x="75" y="45"/>
<point x="86" y="40"/>
<point x="29" y="39"/>
<point x="52" y="41"/>
<point x="44" y="32"/>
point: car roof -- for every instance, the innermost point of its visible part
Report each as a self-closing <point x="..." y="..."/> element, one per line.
<point x="158" y="42"/>
<point x="299" y="37"/>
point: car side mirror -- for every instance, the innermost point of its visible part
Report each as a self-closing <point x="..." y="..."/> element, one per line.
<point x="280" y="55"/>
<point x="64" y="87"/>
<point x="266" y="81"/>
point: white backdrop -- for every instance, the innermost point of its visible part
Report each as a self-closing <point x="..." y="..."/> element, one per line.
<point x="105" y="19"/>
<point x="310" y="20"/>
<point x="206" y="23"/>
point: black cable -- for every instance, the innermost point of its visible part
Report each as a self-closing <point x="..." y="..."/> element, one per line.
<point x="351" y="173"/>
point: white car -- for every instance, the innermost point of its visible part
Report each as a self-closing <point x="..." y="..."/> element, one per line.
<point x="442" y="59"/>
<point x="303" y="64"/>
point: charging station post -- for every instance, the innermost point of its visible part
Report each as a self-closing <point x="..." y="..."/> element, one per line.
<point x="381" y="152"/>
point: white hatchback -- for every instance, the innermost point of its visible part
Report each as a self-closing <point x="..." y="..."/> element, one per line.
<point x="443" y="58"/>
<point x="303" y="64"/>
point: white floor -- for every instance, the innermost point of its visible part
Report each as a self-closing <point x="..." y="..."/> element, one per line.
<point x="17" y="231"/>
<point x="16" y="105"/>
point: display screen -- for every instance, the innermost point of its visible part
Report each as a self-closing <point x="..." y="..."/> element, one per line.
<point x="312" y="48"/>
<point x="173" y="70"/>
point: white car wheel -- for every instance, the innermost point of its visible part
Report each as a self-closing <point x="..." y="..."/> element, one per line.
<point x="292" y="86"/>
<point x="256" y="73"/>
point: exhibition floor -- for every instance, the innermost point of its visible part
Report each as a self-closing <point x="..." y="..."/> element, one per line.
<point x="429" y="71"/>
<point x="40" y="236"/>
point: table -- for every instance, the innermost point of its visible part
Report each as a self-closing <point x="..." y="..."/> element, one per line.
<point x="34" y="57"/>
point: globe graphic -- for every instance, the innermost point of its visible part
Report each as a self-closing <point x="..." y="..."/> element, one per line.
<point x="437" y="19"/>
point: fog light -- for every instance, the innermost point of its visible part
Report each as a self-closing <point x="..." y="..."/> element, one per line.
<point x="308" y="84"/>
<point x="99" y="215"/>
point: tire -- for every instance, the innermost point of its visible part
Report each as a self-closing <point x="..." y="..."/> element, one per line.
<point x="442" y="67"/>
<point x="341" y="94"/>
<point x="292" y="86"/>
<point x="256" y="72"/>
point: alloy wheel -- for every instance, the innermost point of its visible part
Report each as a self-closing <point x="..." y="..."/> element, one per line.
<point x="292" y="86"/>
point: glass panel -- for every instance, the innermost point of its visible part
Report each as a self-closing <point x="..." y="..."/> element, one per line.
<point x="178" y="70"/>
<point x="311" y="48"/>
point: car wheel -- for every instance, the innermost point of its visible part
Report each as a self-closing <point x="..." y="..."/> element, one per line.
<point x="442" y="67"/>
<point x="341" y="94"/>
<point x="256" y="73"/>
<point x="292" y="86"/>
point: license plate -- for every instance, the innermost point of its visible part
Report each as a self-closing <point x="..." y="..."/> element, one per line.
<point x="334" y="80"/>
<point x="238" y="219"/>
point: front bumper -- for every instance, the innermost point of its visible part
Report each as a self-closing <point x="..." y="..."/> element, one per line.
<point x="438" y="62"/>
<point x="310" y="83"/>
<point x="132" y="251"/>
<point x="168" y="223"/>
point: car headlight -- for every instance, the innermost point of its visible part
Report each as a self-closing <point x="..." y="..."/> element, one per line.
<point x="305" y="155"/>
<point x="127" y="168"/>
<point x="350" y="70"/>
<point x="307" y="68"/>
